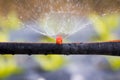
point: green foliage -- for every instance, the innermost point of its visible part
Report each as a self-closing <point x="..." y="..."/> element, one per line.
<point x="104" y="25"/>
<point x="4" y="37"/>
<point x="10" y="22"/>
<point x="114" y="62"/>
<point x="50" y="62"/>
<point x="46" y="39"/>
<point x="8" y="65"/>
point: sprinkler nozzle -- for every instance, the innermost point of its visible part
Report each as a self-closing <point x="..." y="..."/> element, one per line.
<point x="59" y="39"/>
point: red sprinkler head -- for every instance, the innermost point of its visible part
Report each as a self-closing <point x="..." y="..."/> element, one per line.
<point x="59" y="39"/>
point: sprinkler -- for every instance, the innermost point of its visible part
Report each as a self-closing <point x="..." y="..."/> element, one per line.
<point x="92" y="48"/>
<point x="59" y="39"/>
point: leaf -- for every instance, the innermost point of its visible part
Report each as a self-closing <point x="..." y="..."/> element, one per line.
<point x="50" y="62"/>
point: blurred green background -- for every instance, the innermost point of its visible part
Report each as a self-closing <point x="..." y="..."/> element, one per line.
<point x="18" y="16"/>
